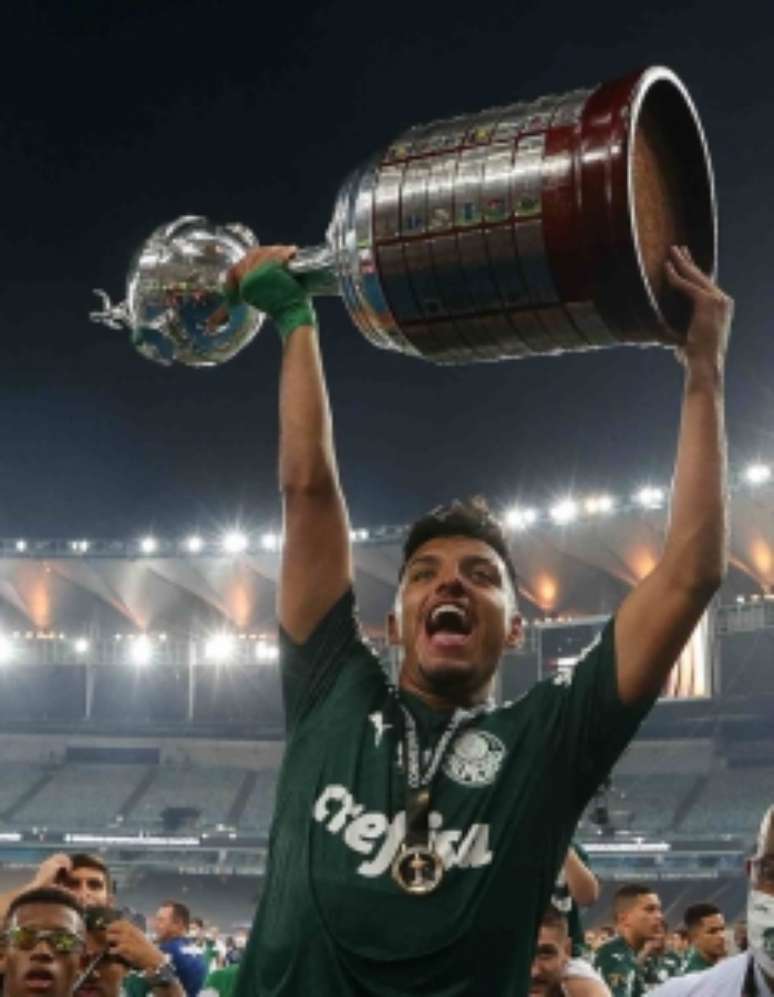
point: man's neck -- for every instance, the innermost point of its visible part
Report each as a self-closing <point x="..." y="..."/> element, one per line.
<point x="442" y="702"/>
<point x="634" y="944"/>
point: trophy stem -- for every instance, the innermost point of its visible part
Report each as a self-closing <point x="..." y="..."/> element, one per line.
<point x="315" y="267"/>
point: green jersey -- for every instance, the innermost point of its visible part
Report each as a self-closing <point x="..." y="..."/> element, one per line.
<point x="659" y="968"/>
<point x="616" y="961"/>
<point x="505" y="801"/>
<point x="695" y="963"/>
<point x="220" y="982"/>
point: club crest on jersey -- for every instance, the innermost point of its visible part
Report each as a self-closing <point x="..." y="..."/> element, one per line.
<point x="474" y="758"/>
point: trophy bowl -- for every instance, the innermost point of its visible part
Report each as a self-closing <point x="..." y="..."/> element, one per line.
<point x="175" y="295"/>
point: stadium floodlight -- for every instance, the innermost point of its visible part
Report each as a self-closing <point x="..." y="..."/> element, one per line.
<point x="565" y="511"/>
<point x="6" y="650"/>
<point x="194" y="544"/>
<point x="270" y="541"/>
<point x="519" y="519"/>
<point x="264" y="651"/>
<point x="757" y="474"/>
<point x="650" y="497"/>
<point x="234" y="542"/>
<point x="81" y="645"/>
<point x="21" y="545"/>
<point x="79" y="546"/>
<point x="219" y="648"/>
<point x="141" y="650"/>
<point x="358" y="536"/>
<point x="149" y="545"/>
<point x="596" y="505"/>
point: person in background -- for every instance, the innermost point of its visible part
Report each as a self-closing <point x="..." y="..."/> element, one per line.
<point x="576" y="886"/>
<point x="206" y="940"/>
<point x="549" y="971"/>
<point x="113" y="948"/>
<point x="43" y="943"/>
<point x="750" y="973"/>
<point x="220" y="982"/>
<point x="172" y="924"/>
<point x="706" y="929"/>
<point x="86" y="877"/>
<point x="658" y="962"/>
<point x="638" y="919"/>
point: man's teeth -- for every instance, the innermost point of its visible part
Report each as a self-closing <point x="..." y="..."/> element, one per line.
<point x="448" y="607"/>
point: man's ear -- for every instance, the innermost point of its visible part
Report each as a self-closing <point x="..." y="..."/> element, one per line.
<point x="393" y="630"/>
<point x="515" y="633"/>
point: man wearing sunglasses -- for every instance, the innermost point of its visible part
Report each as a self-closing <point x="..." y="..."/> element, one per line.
<point x="44" y="940"/>
<point x="114" y="946"/>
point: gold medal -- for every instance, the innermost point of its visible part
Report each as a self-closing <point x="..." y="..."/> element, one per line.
<point x="417" y="869"/>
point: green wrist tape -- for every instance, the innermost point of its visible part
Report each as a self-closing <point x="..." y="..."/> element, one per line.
<point x="272" y="289"/>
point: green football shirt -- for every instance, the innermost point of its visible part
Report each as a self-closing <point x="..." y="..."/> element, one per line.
<point x="616" y="961"/>
<point x="695" y="963"/>
<point x="505" y="801"/>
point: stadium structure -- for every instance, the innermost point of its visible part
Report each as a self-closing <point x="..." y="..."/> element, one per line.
<point x="141" y="716"/>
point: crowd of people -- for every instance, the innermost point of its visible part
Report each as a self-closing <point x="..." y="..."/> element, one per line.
<point x="66" y="935"/>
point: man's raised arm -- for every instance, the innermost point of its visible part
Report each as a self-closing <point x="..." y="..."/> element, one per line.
<point x="316" y="559"/>
<point x="658" y="616"/>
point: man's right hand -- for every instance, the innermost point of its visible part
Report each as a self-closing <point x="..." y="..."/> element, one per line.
<point x="262" y="279"/>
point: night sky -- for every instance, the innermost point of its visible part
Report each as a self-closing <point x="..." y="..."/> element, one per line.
<point x="118" y="117"/>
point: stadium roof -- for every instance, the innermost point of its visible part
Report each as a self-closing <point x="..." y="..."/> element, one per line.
<point x="571" y="561"/>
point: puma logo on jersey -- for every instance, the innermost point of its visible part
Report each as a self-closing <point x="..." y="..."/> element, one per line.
<point x="373" y="835"/>
<point x="377" y="719"/>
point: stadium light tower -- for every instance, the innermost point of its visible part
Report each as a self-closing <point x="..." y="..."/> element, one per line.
<point x="270" y="541"/>
<point x="519" y="519"/>
<point x="234" y="542"/>
<point x="757" y="474"/>
<point x="649" y="497"/>
<point x="194" y="544"/>
<point x="219" y="648"/>
<point x="565" y="511"/>
<point x="81" y="645"/>
<point x="141" y="650"/>
<point x="149" y="545"/>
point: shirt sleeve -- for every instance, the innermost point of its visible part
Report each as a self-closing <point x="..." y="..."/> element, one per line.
<point x="595" y="724"/>
<point x="309" y="670"/>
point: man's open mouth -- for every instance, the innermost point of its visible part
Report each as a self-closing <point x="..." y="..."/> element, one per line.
<point x="448" y="624"/>
<point x="39" y="979"/>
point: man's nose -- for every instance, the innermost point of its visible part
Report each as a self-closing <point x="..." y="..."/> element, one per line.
<point x="451" y="582"/>
<point x="43" y="950"/>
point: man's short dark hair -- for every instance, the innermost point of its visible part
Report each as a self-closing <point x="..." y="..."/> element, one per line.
<point x="626" y="897"/>
<point x="179" y="912"/>
<point x="472" y="518"/>
<point x="44" y="895"/>
<point x="696" y="913"/>
<point x="553" y="918"/>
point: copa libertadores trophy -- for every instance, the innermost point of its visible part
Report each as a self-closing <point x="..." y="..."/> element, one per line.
<point x="534" y="228"/>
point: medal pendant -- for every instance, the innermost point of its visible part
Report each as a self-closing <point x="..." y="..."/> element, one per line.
<point x="417" y="869"/>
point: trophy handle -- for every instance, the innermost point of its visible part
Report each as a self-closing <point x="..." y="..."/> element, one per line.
<point x="315" y="268"/>
<point x="114" y="316"/>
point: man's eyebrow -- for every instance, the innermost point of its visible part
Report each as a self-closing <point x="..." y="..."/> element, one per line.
<point x="426" y="558"/>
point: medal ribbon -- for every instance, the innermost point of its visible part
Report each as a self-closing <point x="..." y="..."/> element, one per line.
<point x="418" y="782"/>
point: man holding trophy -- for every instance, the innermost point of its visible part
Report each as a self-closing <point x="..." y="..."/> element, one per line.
<point x="419" y="829"/>
<point x="405" y="818"/>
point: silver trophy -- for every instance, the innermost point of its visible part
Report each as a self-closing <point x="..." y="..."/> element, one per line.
<point x="534" y="228"/>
